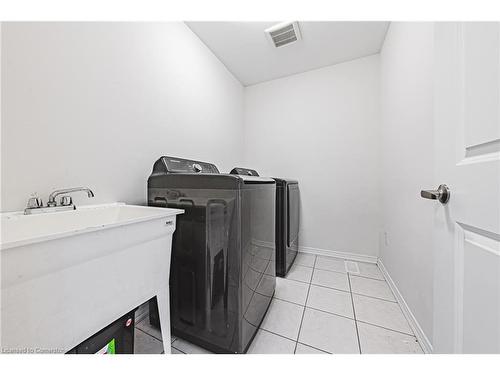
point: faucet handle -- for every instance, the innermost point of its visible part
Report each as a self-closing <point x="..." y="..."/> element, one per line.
<point x="66" y="200"/>
<point x="34" y="202"/>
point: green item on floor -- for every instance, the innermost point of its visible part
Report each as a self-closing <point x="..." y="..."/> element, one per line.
<point x="109" y="348"/>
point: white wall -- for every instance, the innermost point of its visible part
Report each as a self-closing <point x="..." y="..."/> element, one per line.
<point x="406" y="62"/>
<point x="95" y="104"/>
<point x="321" y="127"/>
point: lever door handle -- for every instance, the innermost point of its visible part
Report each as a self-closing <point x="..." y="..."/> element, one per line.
<point x="442" y="194"/>
<point x="429" y="194"/>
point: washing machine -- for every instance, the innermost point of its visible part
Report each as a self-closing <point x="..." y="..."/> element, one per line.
<point x="222" y="277"/>
<point x="287" y="219"/>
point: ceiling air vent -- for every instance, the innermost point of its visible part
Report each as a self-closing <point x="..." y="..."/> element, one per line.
<point x="283" y="33"/>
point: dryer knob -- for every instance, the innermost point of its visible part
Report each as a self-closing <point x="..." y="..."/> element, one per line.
<point x="197" y="168"/>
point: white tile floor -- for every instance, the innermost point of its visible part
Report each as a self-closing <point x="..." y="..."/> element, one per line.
<point x="319" y="308"/>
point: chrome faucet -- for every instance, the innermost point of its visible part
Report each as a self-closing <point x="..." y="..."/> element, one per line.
<point x="55" y="193"/>
<point x="35" y="205"/>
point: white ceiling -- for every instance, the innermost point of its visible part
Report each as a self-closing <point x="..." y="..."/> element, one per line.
<point x="250" y="56"/>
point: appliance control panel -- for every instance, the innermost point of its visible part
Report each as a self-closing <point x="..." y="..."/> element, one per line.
<point x="244" y="171"/>
<point x="167" y="164"/>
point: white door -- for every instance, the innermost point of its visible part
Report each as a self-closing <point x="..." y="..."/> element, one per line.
<point x="467" y="151"/>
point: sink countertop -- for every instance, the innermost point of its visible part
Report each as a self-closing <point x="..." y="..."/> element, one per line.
<point x="18" y="229"/>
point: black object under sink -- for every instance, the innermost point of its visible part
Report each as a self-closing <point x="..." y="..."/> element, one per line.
<point x="116" y="338"/>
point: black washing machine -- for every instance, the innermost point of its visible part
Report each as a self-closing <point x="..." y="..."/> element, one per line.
<point x="287" y="220"/>
<point x="222" y="279"/>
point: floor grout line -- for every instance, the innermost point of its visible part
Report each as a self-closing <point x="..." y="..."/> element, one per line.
<point x="177" y="350"/>
<point x="304" y="311"/>
<point x="157" y="339"/>
<point x="354" y="313"/>
<point x="352" y="274"/>
<point x="343" y="259"/>
<point x="149" y="334"/>
<point x="310" y="346"/>
<point x="389" y="329"/>
<point x="286" y="278"/>
<point x="301" y="265"/>
<point x="322" y="269"/>
<point x="296" y="341"/>
<point x="342" y="290"/>
<point x="284" y="300"/>
<point x="172" y="346"/>
<point x="299" y="281"/>
<point x="143" y="317"/>
<point x="379" y="298"/>
<point x="332" y="288"/>
<point x="278" y="334"/>
<point x="368" y="277"/>
<point x="314" y="308"/>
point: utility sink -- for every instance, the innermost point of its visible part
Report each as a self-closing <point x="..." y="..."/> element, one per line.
<point x="66" y="275"/>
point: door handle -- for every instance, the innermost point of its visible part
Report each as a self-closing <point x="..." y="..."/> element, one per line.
<point x="442" y="194"/>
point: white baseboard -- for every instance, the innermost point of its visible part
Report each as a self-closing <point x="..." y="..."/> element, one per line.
<point x="338" y="254"/>
<point x="417" y="329"/>
<point x="329" y="253"/>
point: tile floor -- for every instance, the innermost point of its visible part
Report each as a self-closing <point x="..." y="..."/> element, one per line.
<point x="319" y="308"/>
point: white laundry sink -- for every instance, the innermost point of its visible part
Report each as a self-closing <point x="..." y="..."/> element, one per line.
<point x="67" y="275"/>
